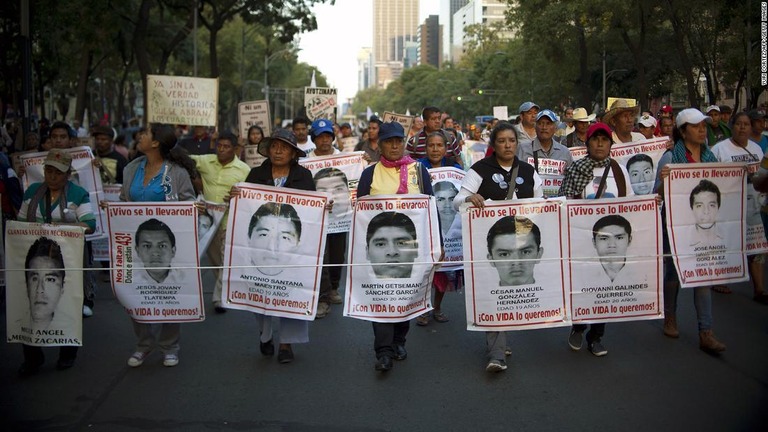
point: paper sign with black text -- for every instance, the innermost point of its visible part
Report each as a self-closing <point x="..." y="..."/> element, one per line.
<point x="320" y="103"/>
<point x="254" y="113"/>
<point x="182" y="100"/>
<point x="338" y="175"/>
<point x="405" y="120"/>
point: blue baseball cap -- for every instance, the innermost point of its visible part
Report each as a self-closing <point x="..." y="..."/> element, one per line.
<point x="320" y="126"/>
<point x="527" y="106"/>
<point x="547" y="113"/>
<point x="391" y="130"/>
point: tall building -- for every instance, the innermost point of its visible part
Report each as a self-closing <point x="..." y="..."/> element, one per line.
<point x="430" y="42"/>
<point x="365" y="68"/>
<point x="447" y="9"/>
<point x="394" y="23"/>
<point x="475" y="12"/>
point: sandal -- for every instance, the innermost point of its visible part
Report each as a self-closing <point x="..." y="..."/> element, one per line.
<point x="422" y="319"/>
<point x="722" y="289"/>
<point x="440" y="316"/>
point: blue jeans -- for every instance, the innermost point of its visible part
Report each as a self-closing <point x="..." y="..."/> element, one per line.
<point x="702" y="297"/>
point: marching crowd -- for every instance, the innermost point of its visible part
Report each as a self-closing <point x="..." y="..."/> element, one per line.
<point x="162" y="163"/>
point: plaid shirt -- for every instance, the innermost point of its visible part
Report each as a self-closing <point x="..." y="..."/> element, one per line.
<point x="579" y="174"/>
<point x="417" y="145"/>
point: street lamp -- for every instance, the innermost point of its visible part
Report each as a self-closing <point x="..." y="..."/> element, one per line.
<point x="267" y="59"/>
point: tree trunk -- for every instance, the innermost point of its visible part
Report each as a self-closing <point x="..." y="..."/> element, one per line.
<point x="585" y="90"/>
<point x="140" y="47"/>
<point x="214" y="33"/>
<point x="686" y="69"/>
<point x="81" y="94"/>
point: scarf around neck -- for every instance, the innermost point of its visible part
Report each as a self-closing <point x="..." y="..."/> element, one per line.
<point x="681" y="155"/>
<point x="400" y="163"/>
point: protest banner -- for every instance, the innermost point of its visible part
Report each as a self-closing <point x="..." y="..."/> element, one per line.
<point x="82" y="173"/>
<point x="273" y="253"/>
<point x="252" y="156"/>
<point x="338" y="175"/>
<point x="100" y="247"/>
<point x="254" y="113"/>
<point x="705" y="216"/>
<point x="615" y="264"/>
<point x="44" y="295"/>
<point x="475" y="150"/>
<point x="405" y="120"/>
<point x="208" y="222"/>
<point x="393" y="249"/>
<point x="446" y="184"/>
<point x="514" y="276"/>
<point x="552" y="173"/>
<point x="182" y="100"/>
<point x="501" y="112"/>
<point x="153" y="250"/>
<point x="639" y="157"/>
<point x="320" y="103"/>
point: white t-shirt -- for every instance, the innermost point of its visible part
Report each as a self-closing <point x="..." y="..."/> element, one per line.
<point x="727" y="151"/>
<point x="307" y="146"/>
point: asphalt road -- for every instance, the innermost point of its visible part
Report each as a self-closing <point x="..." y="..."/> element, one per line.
<point x="647" y="382"/>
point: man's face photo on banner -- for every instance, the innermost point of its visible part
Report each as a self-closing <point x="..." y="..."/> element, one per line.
<point x="705" y="205"/>
<point x="204" y="223"/>
<point x="514" y="247"/>
<point x="44" y="277"/>
<point x="641" y="174"/>
<point x="334" y="182"/>
<point x="275" y="230"/>
<point x="156" y="247"/>
<point x="445" y="192"/>
<point x="754" y="202"/>
<point x="611" y="237"/>
<point x="391" y="245"/>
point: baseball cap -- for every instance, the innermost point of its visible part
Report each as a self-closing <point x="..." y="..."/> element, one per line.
<point x="599" y="128"/>
<point x="547" y="113"/>
<point x="103" y="130"/>
<point x="666" y="109"/>
<point x="712" y="108"/>
<point x="527" y="106"/>
<point x="58" y="159"/>
<point x="391" y="130"/>
<point x="692" y="116"/>
<point x="756" y="114"/>
<point x="647" y="121"/>
<point x="320" y="126"/>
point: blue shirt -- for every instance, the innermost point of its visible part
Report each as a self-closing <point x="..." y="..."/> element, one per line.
<point x="154" y="191"/>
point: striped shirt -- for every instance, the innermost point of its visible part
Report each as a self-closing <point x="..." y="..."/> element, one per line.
<point x="417" y="145"/>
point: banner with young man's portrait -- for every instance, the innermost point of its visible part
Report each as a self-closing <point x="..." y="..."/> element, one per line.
<point x="208" y="222"/>
<point x="705" y="216"/>
<point x="446" y="184"/>
<point x="273" y="252"/>
<point x="393" y="249"/>
<point x="338" y="175"/>
<point x="154" y="261"/>
<point x="44" y="295"/>
<point x="515" y="277"/>
<point x="614" y="251"/>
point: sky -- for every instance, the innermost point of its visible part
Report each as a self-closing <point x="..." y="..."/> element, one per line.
<point x="342" y="29"/>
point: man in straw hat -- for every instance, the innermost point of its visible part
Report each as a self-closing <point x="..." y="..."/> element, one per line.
<point x="621" y="117"/>
<point x="581" y="121"/>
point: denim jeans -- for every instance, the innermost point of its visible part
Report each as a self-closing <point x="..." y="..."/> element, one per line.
<point x="702" y="296"/>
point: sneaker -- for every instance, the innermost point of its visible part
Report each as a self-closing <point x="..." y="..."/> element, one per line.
<point x="137" y="358"/>
<point x="597" y="349"/>
<point x="323" y="309"/>
<point x="336" y="297"/>
<point x="170" y="360"/>
<point x="87" y="311"/>
<point x="496" y="366"/>
<point x="507" y="352"/>
<point x="575" y="340"/>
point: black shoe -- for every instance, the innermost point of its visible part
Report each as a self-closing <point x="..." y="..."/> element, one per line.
<point x="28" y="369"/>
<point x="285" y="355"/>
<point x="220" y="310"/>
<point x="64" y="364"/>
<point x="384" y="364"/>
<point x="400" y="352"/>
<point x="267" y="348"/>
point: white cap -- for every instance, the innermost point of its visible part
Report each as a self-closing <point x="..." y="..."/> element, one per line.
<point x="647" y="121"/>
<point x="692" y="116"/>
<point x="712" y="107"/>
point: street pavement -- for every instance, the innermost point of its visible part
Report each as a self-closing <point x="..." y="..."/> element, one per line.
<point x="647" y="382"/>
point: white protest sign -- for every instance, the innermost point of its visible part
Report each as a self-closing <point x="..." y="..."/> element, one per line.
<point x="501" y="112"/>
<point x="100" y="247"/>
<point x="320" y="103"/>
<point x="405" y="120"/>
<point x="273" y="253"/>
<point x="552" y="173"/>
<point x="446" y="184"/>
<point x="254" y="113"/>
<point x="615" y="263"/>
<point x="83" y="174"/>
<point x="338" y="175"/>
<point x="252" y="156"/>
<point x="44" y="295"/>
<point x="348" y="144"/>
<point x="153" y="249"/>
<point x="182" y="100"/>
<point x="514" y="277"/>
<point x="705" y="215"/>
<point x="394" y="245"/>
<point x="208" y="222"/>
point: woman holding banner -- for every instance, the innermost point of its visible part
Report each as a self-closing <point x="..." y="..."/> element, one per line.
<point x="500" y="176"/>
<point x="59" y="201"/>
<point x="690" y="136"/>
<point x="281" y="169"/>
<point x="159" y="175"/>
<point x="395" y="173"/>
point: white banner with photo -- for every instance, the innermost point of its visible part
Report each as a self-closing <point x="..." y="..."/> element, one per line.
<point x="273" y="253"/>
<point x="640" y="158"/>
<point x="154" y="260"/>
<point x="208" y="222"/>
<point x="100" y="246"/>
<point x="552" y="173"/>
<point x="515" y="277"/>
<point x="338" y="175"/>
<point x="615" y="250"/>
<point x="44" y="296"/>
<point x="394" y="246"/>
<point x="705" y="216"/>
<point x="320" y="103"/>
<point x="446" y="184"/>
<point x="83" y="174"/>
